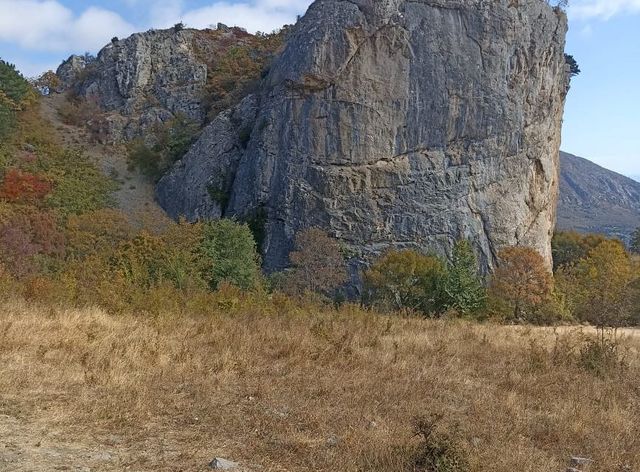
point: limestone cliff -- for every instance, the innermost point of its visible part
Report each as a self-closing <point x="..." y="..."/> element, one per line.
<point x="394" y="123"/>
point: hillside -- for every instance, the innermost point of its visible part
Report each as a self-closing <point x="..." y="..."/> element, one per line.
<point x="596" y="200"/>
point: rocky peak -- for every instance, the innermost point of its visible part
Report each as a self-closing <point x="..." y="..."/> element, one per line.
<point x="394" y="123"/>
<point x="149" y="78"/>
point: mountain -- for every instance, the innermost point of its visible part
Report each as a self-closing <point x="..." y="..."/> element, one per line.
<point x="393" y="124"/>
<point x="596" y="200"/>
<point x="387" y="123"/>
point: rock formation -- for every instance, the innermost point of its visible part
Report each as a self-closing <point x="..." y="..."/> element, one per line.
<point x="149" y="78"/>
<point x="394" y="123"/>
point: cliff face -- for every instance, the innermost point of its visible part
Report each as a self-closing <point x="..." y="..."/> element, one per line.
<point x="597" y="200"/>
<point x="396" y="123"/>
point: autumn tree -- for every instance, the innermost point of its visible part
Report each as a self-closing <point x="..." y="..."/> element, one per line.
<point x="463" y="287"/>
<point x="406" y="279"/>
<point x="27" y="239"/>
<point x="521" y="279"/>
<point x="570" y="247"/>
<point x="317" y="263"/>
<point x="598" y="287"/>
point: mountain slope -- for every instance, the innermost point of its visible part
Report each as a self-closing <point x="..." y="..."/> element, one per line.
<point x="596" y="200"/>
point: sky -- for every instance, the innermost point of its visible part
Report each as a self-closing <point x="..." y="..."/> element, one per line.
<point x="602" y="115"/>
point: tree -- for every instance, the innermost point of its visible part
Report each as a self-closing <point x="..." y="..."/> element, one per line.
<point x="522" y="279"/>
<point x="49" y="80"/>
<point x="571" y="247"/>
<point x="574" y="69"/>
<point x="598" y="287"/>
<point x="635" y="241"/>
<point x="229" y="253"/>
<point x="406" y="279"/>
<point x="317" y="263"/>
<point x="463" y="288"/>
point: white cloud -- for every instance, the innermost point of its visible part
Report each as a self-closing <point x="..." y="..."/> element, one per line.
<point x="47" y="25"/>
<point x="257" y="15"/>
<point x="602" y="9"/>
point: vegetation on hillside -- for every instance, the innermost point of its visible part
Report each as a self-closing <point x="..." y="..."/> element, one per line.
<point x="236" y="62"/>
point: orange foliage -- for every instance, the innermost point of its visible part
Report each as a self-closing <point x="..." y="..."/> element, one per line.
<point x="23" y="187"/>
<point x="522" y="279"/>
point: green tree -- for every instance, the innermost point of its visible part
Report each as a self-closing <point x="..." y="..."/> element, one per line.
<point x="570" y="247"/>
<point x="635" y="241"/>
<point x="230" y="255"/>
<point x="574" y="68"/>
<point x="463" y="287"/>
<point x="406" y="279"/>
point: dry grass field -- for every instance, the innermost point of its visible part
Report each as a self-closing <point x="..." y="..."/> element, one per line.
<point x="280" y="387"/>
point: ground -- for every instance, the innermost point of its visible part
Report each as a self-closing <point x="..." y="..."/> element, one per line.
<point x="282" y="387"/>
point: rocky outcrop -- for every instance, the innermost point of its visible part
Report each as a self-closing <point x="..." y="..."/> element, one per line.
<point x="207" y="182"/>
<point x="397" y="123"/>
<point x="70" y="71"/>
<point x="597" y="200"/>
<point x="149" y="78"/>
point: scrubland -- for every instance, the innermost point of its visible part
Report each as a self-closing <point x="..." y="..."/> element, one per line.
<point x="283" y="385"/>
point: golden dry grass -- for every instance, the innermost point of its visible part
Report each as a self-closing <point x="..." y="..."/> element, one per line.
<point x="272" y="384"/>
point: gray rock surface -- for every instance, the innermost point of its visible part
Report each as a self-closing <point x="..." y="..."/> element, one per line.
<point x="397" y="123"/>
<point x="200" y="184"/>
<point x="223" y="464"/>
<point x="70" y="70"/>
<point x="148" y="77"/>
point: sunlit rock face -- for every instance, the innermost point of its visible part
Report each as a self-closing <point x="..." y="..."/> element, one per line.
<point x="393" y="123"/>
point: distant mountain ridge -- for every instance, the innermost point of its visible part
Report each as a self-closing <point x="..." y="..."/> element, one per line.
<point x="596" y="200"/>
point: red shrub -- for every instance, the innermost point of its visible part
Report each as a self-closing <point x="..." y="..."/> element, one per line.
<point x="26" y="236"/>
<point x="23" y="187"/>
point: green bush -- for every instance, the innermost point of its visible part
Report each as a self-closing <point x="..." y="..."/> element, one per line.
<point x="173" y="140"/>
<point x="78" y="185"/>
<point x="14" y="90"/>
<point x="230" y="255"/>
<point x="406" y="280"/>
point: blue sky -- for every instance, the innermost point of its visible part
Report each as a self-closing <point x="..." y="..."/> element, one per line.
<point x="602" y="118"/>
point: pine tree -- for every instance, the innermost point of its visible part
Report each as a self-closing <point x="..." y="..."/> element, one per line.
<point x="464" y="289"/>
<point x="635" y="241"/>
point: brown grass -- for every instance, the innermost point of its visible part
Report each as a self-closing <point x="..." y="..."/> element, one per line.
<point x="270" y="383"/>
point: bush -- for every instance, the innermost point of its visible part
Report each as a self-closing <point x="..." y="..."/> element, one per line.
<point x="173" y="140"/>
<point x="406" y="280"/>
<point x="229" y="255"/>
<point x="438" y="452"/>
<point x="78" y="185"/>
<point x="317" y="264"/>
<point x="24" y="187"/>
